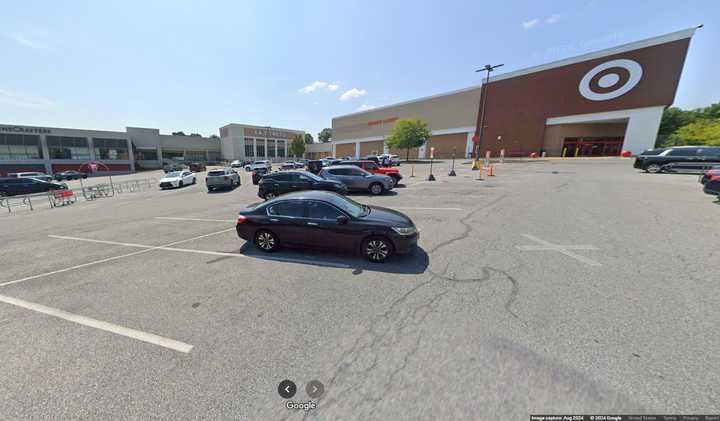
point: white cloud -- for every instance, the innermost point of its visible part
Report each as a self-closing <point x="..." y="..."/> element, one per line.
<point x="319" y="85"/>
<point x="554" y="18"/>
<point x="366" y="107"/>
<point x="352" y="93"/>
<point x="530" y="23"/>
<point x="23" y="40"/>
<point x="312" y="87"/>
<point x="24" y="101"/>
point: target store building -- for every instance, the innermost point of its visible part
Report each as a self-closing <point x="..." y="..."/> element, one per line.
<point x="596" y="104"/>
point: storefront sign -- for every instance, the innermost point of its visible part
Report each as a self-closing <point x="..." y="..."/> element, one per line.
<point x="385" y="121"/>
<point x="20" y="129"/>
<point x="269" y="133"/>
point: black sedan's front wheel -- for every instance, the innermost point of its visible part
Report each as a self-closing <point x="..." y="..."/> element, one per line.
<point x="653" y="168"/>
<point x="266" y="241"/>
<point x="377" y="249"/>
<point x="269" y="195"/>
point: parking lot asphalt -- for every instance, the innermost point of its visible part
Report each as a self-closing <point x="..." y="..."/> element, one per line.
<point x="555" y="286"/>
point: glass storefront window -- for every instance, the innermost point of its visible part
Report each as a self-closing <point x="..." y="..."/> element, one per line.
<point x="66" y="147"/>
<point x="260" y="149"/>
<point x="146" y="155"/>
<point x="196" y="156"/>
<point x="249" y="142"/>
<point x="18" y="147"/>
<point x="110" y="149"/>
<point x="281" y="149"/>
<point x="173" y="155"/>
<point x="271" y="148"/>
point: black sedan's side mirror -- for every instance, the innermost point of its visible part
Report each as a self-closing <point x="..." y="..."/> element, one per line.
<point x="342" y="219"/>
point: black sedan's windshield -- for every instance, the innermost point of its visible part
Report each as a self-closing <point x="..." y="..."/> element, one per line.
<point x="353" y="208"/>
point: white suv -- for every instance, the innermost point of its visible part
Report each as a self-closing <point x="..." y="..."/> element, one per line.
<point x="259" y="164"/>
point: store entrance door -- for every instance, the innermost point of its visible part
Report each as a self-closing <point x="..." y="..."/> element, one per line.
<point x="592" y="146"/>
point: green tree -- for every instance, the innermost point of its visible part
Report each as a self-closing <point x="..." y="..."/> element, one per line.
<point x="178" y="133"/>
<point x="325" y="135"/>
<point x="701" y="132"/>
<point x="407" y="134"/>
<point x="672" y="119"/>
<point x="297" y="146"/>
<point x="309" y="139"/>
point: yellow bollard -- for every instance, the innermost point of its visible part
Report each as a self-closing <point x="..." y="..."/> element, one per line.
<point x="475" y="165"/>
<point x="577" y="152"/>
<point x="564" y="154"/>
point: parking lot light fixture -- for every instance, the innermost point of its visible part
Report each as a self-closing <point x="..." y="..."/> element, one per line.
<point x="486" y="88"/>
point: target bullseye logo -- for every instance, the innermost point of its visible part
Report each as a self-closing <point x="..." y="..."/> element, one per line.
<point x="610" y="79"/>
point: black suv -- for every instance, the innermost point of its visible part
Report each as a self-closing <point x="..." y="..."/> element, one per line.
<point x="11" y="186"/>
<point x="682" y="159"/>
<point x="277" y="183"/>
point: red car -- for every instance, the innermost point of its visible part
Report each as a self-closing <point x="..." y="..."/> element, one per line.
<point x="374" y="168"/>
<point x="710" y="175"/>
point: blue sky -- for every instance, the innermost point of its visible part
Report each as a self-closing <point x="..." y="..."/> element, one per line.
<point x="198" y="65"/>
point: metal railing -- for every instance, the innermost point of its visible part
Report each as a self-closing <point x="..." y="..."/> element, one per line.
<point x="10" y="202"/>
<point x="92" y="192"/>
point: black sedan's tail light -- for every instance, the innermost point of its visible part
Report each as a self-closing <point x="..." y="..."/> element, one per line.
<point x="241" y="219"/>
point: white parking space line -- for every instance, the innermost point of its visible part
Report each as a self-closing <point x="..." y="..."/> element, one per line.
<point x="95" y="262"/>
<point x="208" y="252"/>
<point x="172" y="218"/>
<point x="566" y="250"/>
<point x="99" y="324"/>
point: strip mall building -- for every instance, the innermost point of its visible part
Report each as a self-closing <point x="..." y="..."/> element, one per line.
<point x="597" y="104"/>
<point x="54" y="149"/>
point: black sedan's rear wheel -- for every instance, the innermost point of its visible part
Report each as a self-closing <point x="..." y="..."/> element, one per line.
<point x="266" y="241"/>
<point x="377" y="249"/>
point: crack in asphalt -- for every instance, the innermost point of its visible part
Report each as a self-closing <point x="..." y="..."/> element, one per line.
<point x="388" y="329"/>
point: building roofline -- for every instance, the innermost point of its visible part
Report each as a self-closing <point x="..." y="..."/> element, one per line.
<point x="649" y="42"/>
<point x="410" y="101"/>
<point x="262" y="127"/>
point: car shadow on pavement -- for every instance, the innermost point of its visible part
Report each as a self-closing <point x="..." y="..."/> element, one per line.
<point x="368" y="194"/>
<point x="414" y="262"/>
<point x="221" y="191"/>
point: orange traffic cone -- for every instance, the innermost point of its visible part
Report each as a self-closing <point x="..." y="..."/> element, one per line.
<point x="490" y="171"/>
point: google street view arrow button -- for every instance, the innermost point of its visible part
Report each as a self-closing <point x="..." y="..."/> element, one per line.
<point x="287" y="389"/>
<point x="315" y="389"/>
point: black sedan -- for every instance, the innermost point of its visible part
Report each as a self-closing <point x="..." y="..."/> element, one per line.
<point x="11" y="186"/>
<point x="69" y="175"/>
<point x="320" y="219"/>
<point x="275" y="184"/>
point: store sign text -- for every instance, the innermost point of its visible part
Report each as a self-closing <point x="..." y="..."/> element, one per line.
<point x="20" y="129"/>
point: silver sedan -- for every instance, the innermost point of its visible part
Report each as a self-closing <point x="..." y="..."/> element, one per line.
<point x="357" y="179"/>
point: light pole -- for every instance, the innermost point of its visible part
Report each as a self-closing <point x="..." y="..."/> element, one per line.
<point x="486" y="87"/>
